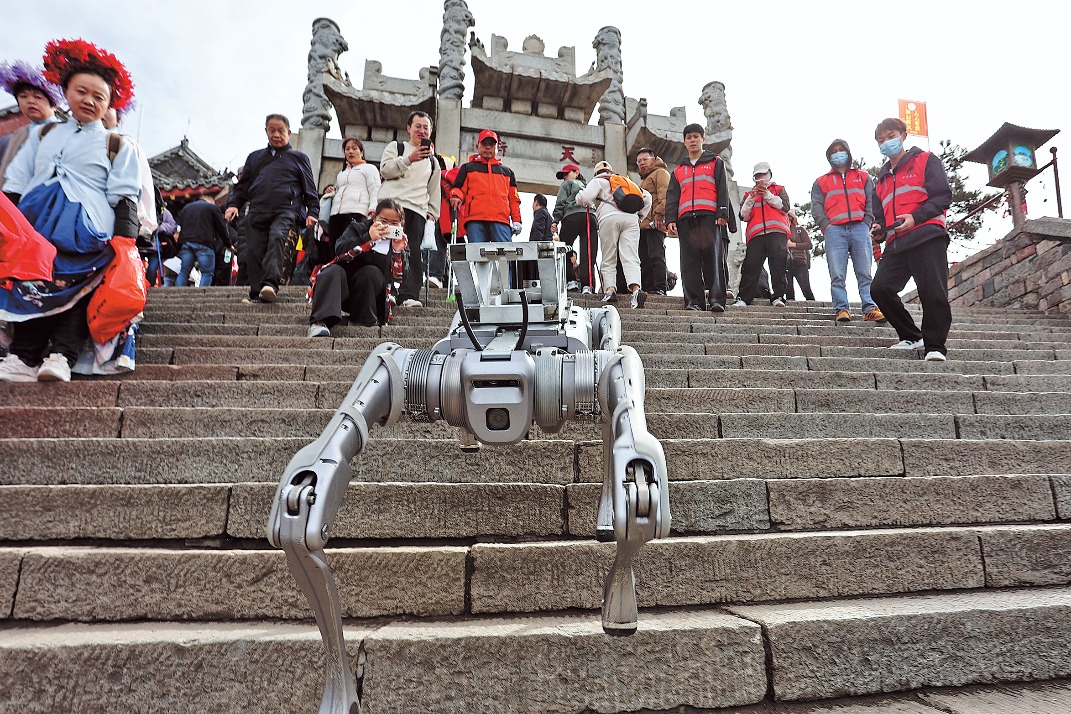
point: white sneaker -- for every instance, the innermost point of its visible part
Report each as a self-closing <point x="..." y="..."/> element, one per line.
<point x="412" y="303"/>
<point x="13" y="369"/>
<point x="586" y="290"/>
<point x="934" y="356"/>
<point x="318" y="329"/>
<point x="739" y="303"/>
<point x="55" y="368"/>
<point x="778" y="303"/>
<point x="435" y="282"/>
<point x="572" y="286"/>
<point x="639" y="299"/>
<point x="908" y="345"/>
<point x="268" y="294"/>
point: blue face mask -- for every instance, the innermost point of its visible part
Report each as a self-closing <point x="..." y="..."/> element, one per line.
<point x="891" y="148"/>
<point x="838" y="158"/>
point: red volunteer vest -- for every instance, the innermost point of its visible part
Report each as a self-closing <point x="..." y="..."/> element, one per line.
<point x="765" y="218"/>
<point x="699" y="192"/>
<point x="904" y="190"/>
<point x="844" y="196"/>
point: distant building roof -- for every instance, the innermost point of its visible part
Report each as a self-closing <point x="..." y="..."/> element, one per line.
<point x="180" y="173"/>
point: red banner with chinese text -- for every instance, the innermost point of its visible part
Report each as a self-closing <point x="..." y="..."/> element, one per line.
<point x="914" y="115"/>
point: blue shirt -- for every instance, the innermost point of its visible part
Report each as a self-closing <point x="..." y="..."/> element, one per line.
<point x="76" y="156"/>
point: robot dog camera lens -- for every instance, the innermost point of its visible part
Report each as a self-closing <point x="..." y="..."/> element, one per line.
<point x="497" y="419"/>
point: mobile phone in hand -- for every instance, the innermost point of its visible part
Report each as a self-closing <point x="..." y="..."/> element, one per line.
<point x="425" y="142"/>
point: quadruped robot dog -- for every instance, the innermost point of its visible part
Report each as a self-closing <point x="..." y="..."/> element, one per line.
<point x="514" y="357"/>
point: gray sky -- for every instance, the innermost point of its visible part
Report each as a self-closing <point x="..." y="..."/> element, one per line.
<point x="797" y="74"/>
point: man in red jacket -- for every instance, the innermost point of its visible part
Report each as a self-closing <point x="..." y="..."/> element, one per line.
<point x="486" y="192"/>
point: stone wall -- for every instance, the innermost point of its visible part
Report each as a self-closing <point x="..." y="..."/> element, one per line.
<point x="1029" y="268"/>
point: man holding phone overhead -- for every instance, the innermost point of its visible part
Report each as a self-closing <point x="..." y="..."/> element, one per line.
<point x="411" y="177"/>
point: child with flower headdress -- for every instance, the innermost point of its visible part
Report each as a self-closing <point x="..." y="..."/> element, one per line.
<point x="37" y="99"/>
<point x="78" y="188"/>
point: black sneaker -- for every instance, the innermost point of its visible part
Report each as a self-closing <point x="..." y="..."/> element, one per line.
<point x="609" y="297"/>
<point x="693" y="308"/>
<point x="716" y="307"/>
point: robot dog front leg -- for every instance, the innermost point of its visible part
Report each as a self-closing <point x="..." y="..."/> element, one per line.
<point x="307" y="502"/>
<point x="635" y="500"/>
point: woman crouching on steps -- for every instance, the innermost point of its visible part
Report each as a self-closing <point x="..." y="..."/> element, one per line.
<point x="367" y="261"/>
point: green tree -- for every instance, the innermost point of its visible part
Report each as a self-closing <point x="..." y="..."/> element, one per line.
<point x="964" y="200"/>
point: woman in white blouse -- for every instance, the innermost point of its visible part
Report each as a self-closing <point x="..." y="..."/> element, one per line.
<point x="355" y="193"/>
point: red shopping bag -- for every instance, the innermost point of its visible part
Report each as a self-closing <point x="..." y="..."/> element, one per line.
<point x="24" y="253"/>
<point x="122" y="294"/>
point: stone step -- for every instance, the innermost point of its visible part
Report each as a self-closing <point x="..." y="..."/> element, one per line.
<point x="643" y="342"/>
<point x="869" y="646"/>
<point x="401" y="512"/>
<point x="328" y="395"/>
<point x="235" y="460"/>
<point x="194" y="422"/>
<point x="122" y="584"/>
<point x="568" y="665"/>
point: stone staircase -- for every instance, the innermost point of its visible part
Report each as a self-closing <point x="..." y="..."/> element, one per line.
<point x="851" y="525"/>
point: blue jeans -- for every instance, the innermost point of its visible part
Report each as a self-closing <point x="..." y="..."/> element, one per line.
<point x="844" y="241"/>
<point x="206" y="263"/>
<point x="488" y="232"/>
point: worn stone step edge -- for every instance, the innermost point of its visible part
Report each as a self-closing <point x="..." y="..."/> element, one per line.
<point x="123" y="584"/>
<point x="399" y="512"/>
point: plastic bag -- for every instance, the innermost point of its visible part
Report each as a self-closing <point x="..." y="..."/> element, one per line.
<point x="428" y="242"/>
<point x="121" y="295"/>
<point x="24" y="253"/>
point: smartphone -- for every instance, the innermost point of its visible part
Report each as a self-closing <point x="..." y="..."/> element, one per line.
<point x="425" y="142"/>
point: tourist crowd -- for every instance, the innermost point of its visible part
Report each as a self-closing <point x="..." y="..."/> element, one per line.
<point x="361" y="244"/>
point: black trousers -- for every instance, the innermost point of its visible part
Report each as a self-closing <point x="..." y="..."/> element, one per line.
<point x="266" y="252"/>
<point x="704" y="272"/>
<point x="927" y="263"/>
<point x="67" y="331"/>
<point x="772" y="247"/>
<point x="358" y="288"/>
<point x="413" y="278"/>
<point x="652" y="262"/>
<point x="799" y="271"/>
<point x="576" y="226"/>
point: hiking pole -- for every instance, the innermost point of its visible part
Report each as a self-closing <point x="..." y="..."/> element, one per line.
<point x="449" y="262"/>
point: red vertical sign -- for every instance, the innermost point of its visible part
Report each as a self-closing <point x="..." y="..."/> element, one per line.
<point x="914" y="115"/>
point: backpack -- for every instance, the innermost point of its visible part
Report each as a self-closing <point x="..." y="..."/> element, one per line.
<point x="627" y="196"/>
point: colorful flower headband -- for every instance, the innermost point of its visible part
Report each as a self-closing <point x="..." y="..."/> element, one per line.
<point x="12" y="74"/>
<point x="66" y="57"/>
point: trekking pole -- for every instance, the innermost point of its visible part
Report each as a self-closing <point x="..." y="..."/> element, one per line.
<point x="590" y="257"/>
<point x="450" y="263"/>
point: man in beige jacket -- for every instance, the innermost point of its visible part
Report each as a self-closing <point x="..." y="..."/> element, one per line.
<point x="655" y="180"/>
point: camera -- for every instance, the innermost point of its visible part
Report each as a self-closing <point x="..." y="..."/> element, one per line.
<point x="394" y="233"/>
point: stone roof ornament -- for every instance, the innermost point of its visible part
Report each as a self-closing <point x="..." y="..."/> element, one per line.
<point x="456" y="23"/>
<point x="607" y="45"/>
<point x="719" y="128"/>
<point x="327" y="44"/>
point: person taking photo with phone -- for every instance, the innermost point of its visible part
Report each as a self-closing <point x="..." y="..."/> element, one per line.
<point x="358" y="279"/>
<point x="411" y="177"/>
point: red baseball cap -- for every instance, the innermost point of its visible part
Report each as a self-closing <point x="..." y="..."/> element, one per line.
<point x="487" y="134"/>
<point x="566" y="169"/>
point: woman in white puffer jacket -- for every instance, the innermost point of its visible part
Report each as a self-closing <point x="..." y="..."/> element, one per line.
<point x="355" y="193"/>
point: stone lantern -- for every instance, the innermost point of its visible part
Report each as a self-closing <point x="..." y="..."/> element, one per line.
<point x="1010" y="155"/>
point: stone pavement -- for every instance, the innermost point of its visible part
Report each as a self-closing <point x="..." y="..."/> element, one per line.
<point x="851" y="526"/>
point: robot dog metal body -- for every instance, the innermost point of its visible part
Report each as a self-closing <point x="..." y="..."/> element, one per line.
<point x="507" y="363"/>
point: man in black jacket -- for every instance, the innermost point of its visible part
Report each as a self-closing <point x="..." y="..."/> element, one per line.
<point x="202" y="234"/>
<point x="278" y="184"/>
<point x="542" y="225"/>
